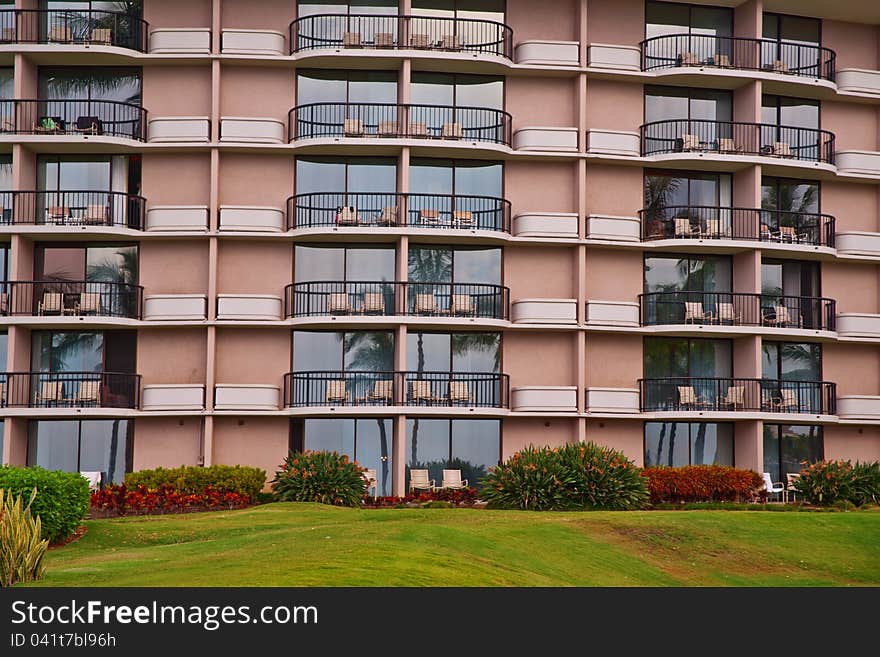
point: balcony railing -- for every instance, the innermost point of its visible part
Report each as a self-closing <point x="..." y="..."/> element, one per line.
<point x="71" y="299"/>
<point x="73" y="208"/>
<point x="74" y="26"/>
<point x="438" y="34"/>
<point x="70" y="389"/>
<point x="736" y="138"/>
<point x="708" y="222"/>
<point x="384" y="298"/>
<point x="82" y="117"/>
<point x="727" y="394"/>
<point x="388" y="120"/>
<point x="390" y="210"/>
<point x="741" y="53"/>
<point x="737" y="309"/>
<point x="434" y="389"/>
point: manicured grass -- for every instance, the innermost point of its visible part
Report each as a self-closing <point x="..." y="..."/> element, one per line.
<point x="312" y="545"/>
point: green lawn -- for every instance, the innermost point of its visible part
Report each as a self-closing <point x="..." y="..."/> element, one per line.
<point x="312" y="545"/>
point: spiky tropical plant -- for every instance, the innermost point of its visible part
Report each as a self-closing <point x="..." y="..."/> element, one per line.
<point x="22" y="547"/>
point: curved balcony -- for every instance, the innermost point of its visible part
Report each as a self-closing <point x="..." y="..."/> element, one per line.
<point x="71" y="299"/>
<point x="702" y="137"/>
<point x="429" y="389"/>
<point x="391" y="120"/>
<point x="74" y="27"/>
<point x="73" y="208"/>
<point x="727" y="394"/>
<point x="388" y="298"/>
<point x="717" y="223"/>
<point x="428" y="33"/>
<point x="70" y="389"/>
<point x="391" y="210"/>
<point x="737" y="309"/>
<point x="740" y="53"/>
<point x="84" y="118"/>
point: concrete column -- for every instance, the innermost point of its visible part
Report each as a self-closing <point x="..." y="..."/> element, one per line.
<point x="398" y="459"/>
<point x="749" y="445"/>
<point x="582" y="31"/>
<point x="216" y="16"/>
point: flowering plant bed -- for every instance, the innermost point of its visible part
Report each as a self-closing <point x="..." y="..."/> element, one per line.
<point x="466" y="497"/>
<point x="112" y="501"/>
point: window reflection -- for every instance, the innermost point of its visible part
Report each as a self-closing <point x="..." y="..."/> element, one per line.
<point x="472" y="446"/>
<point x="92" y="83"/>
<point x="89" y="446"/>
<point x="789" y="448"/>
<point x="343" y="351"/>
<point x="676" y="444"/>
<point x="455" y="352"/>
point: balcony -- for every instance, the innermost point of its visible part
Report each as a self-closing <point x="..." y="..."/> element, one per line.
<point x="737" y="309"/>
<point x="697" y="138"/>
<point x="426" y="33"/>
<point x="387" y="298"/>
<point x="75" y="208"/>
<point x="73" y="118"/>
<point x="716" y="223"/>
<point x="423" y="389"/>
<point x="726" y="394"/>
<point x="71" y="299"/>
<point x="738" y="53"/>
<point x="389" y="120"/>
<point x="375" y="210"/>
<point x="73" y="27"/>
<point x="70" y="390"/>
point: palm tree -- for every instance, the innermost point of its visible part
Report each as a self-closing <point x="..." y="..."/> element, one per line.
<point x="658" y="193"/>
<point x="121" y="267"/>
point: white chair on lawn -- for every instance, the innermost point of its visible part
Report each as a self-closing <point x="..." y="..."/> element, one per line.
<point x="452" y="479"/>
<point x="372" y="483"/>
<point x="771" y="487"/>
<point x="418" y="480"/>
<point x="94" y="479"/>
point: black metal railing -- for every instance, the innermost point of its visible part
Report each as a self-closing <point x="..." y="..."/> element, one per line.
<point x="432" y="33"/>
<point x="368" y="388"/>
<point x="73" y="117"/>
<point x="371" y="209"/>
<point x="737" y="138"/>
<point x="737" y="309"/>
<point x="729" y="394"/>
<point x="73" y="208"/>
<point x="723" y="52"/>
<point x="708" y="222"/>
<point x="74" y="26"/>
<point x="70" y="389"/>
<point x="385" y="298"/>
<point x="474" y="124"/>
<point x="71" y="299"/>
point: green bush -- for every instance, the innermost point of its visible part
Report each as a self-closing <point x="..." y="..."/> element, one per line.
<point x="62" y="499"/>
<point x="22" y="547"/>
<point x="840" y="483"/>
<point x="575" y="476"/>
<point x="325" y="477"/>
<point x="194" y="480"/>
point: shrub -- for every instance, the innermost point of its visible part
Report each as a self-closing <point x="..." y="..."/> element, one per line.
<point x="123" y="500"/>
<point x="62" y="499"/>
<point x="702" y="483"/>
<point x="575" y="476"/>
<point x="194" y="479"/>
<point x="831" y="483"/>
<point x="22" y="546"/>
<point x="325" y="477"/>
<point x="454" y="497"/>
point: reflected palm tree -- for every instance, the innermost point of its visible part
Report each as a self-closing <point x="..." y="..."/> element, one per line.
<point x="658" y="194"/>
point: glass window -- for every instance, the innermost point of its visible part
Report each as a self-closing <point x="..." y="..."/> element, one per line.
<point x="787" y="195"/>
<point x="675" y="273"/>
<point x="109" y="264"/>
<point x="671" y="103"/>
<point x="796" y="29"/>
<point x="74" y="173"/>
<point x="7" y="83"/>
<point x="793" y="112"/>
<point x="91" y="83"/>
<point x="788" y="448"/>
<point x="789" y="278"/>
<point x="83" y="351"/>
<point x="345" y="263"/>
<point x="88" y="446"/>
<point x="336" y="351"/>
<point x="455" y="352"/>
<point x="346" y="87"/>
<point x="4" y="346"/>
<point x="319" y="174"/>
<point x="455" y="265"/>
<point x="791" y="361"/>
<point x="457" y="90"/>
<point x="676" y="444"/>
<point x="666" y="18"/>
<point x="442" y="187"/>
<point x="6" y="181"/>
<point x="682" y="357"/>
<point x="488" y="10"/>
<point x="368" y="7"/>
<point x="472" y="446"/>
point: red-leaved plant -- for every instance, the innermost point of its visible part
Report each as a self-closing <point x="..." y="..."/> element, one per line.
<point x="702" y="483"/>
<point x="120" y="500"/>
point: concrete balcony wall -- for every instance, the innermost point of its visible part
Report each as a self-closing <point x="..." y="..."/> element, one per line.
<point x="613" y="142"/>
<point x="612" y="313"/>
<point x="175" y="307"/>
<point x="859" y="162"/>
<point x="180" y="40"/>
<point x="253" y="42"/>
<point x="612" y="400"/>
<point x="252" y="130"/>
<point x="548" y="53"/>
<point x="546" y="139"/>
<point x="620" y="229"/>
<point x="619" y="58"/>
<point x="858" y="407"/>
<point x="173" y="129"/>
<point x="546" y="224"/>
<point x="251" y="219"/>
<point x="540" y="399"/>
<point x="858" y="243"/>
<point x="545" y="311"/>
<point x="173" y="397"/>
<point x="861" y="325"/>
<point x="248" y="307"/>
<point x="251" y="397"/>
<point x="858" y="80"/>
<point x="178" y="218"/>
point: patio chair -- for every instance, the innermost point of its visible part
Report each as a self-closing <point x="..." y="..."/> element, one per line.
<point x="352" y="40"/>
<point x="374" y="303"/>
<point x="690" y="142"/>
<point x="694" y="313"/>
<point x="50" y="125"/>
<point x="8" y="35"/>
<point x="60" y="33"/>
<point x="95" y="215"/>
<point x="388" y="129"/>
<point x="713" y="228"/>
<point x="787" y="402"/>
<point x="689" y="399"/>
<point x="336" y="392"/>
<point x="418" y="40"/>
<point x="459" y="392"/>
<point x="372" y="484"/>
<point x="88" y="393"/>
<point x="779" y="66"/>
<point x="347" y="216"/>
<point x="463" y="219"/>
<point x="383" y="392"/>
<point x="429" y="217"/>
<point x="57" y="214"/>
<point x="3" y="397"/>
<point x="422" y="392"/>
<point x="790" y="490"/>
<point x="728" y="145"/>
<point x="388" y="216"/>
<point x="94" y="479"/>
<point x="383" y="40"/>
<point x="338" y="303"/>
<point x="450" y="42"/>
<point x="418" y="480"/>
<point x="7" y="123"/>
<point x="683" y="228"/>
<point x="426" y="304"/>
<point x="462" y="304"/>
<point x="89" y="304"/>
<point x="418" y="129"/>
<point x="771" y="487"/>
<point x="89" y="125"/>
<point x="781" y="149"/>
<point x="735" y="398"/>
<point x="52" y="303"/>
<point x="4" y="303"/>
<point x="452" y="130"/>
<point x="101" y="35"/>
<point x="452" y="479"/>
<point x="721" y="61"/>
<point x="780" y="316"/>
<point x="353" y="128"/>
<point x="688" y="59"/>
<point x="48" y="393"/>
<point x="726" y="312"/>
<point x="768" y="235"/>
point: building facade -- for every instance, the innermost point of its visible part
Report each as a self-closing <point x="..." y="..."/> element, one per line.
<point x="436" y="231"/>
